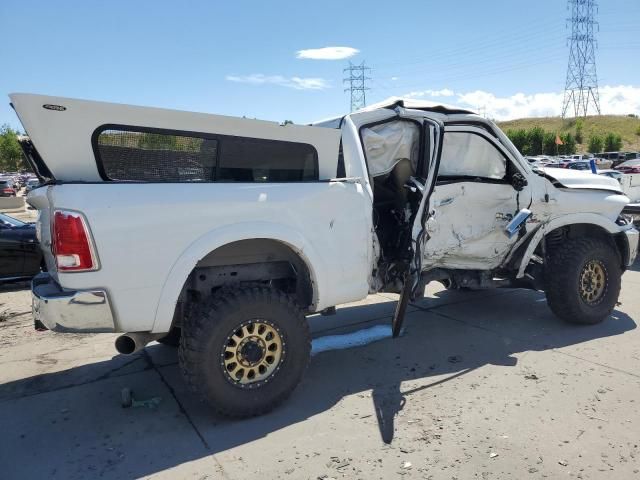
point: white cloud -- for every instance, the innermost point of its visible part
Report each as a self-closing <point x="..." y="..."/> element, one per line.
<point x="394" y="78"/>
<point x="515" y="106"/>
<point x="327" y="53"/>
<point x="445" y="92"/>
<point x="297" y="83"/>
<point x="614" y="100"/>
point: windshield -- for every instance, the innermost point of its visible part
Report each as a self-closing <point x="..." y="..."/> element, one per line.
<point x="14" y="222"/>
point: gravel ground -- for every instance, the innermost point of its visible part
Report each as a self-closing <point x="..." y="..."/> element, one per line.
<point x="481" y="385"/>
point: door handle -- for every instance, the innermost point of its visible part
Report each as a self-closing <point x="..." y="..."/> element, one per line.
<point x="446" y="201"/>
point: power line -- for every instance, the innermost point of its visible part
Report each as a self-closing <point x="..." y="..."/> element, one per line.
<point x="581" y="87"/>
<point x="357" y="84"/>
<point x="523" y="36"/>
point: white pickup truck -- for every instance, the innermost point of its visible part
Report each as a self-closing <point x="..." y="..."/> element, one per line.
<point x="221" y="234"/>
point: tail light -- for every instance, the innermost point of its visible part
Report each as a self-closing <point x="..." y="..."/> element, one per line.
<point x="71" y="243"/>
<point x="8" y="190"/>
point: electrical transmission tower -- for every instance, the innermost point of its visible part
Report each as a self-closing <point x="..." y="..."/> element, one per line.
<point x="357" y="84"/>
<point x="581" y="88"/>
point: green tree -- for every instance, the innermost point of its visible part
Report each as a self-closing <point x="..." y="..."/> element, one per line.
<point x="535" y="138"/>
<point x="549" y="143"/>
<point x="156" y="141"/>
<point x="612" y="142"/>
<point x="569" y="144"/>
<point x="519" y="139"/>
<point x="11" y="158"/>
<point x="579" y="129"/>
<point x="595" y="144"/>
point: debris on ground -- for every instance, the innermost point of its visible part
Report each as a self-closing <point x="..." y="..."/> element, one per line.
<point x="454" y="359"/>
<point x="531" y="376"/>
<point x="493" y="455"/>
<point x="564" y="463"/>
<point x="129" y="401"/>
<point x="407" y="465"/>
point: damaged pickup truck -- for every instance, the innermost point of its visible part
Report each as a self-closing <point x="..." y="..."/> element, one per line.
<point x="221" y="234"/>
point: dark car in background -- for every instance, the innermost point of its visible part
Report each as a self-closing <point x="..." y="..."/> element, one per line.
<point x="20" y="254"/>
<point x="7" y="188"/>
<point x="579" y="165"/>
<point x="630" y="166"/>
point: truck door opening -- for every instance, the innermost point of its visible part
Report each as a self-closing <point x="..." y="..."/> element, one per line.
<point x="393" y="150"/>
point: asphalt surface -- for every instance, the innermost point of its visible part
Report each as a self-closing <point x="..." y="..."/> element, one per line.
<point x="485" y="384"/>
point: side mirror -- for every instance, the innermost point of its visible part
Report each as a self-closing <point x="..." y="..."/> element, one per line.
<point x="518" y="182"/>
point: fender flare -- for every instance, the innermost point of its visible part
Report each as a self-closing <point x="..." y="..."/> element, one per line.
<point x="219" y="237"/>
<point x="562" y="221"/>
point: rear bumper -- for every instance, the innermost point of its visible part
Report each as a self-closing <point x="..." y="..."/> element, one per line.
<point x="82" y="311"/>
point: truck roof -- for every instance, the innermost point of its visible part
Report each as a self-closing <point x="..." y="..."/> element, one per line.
<point x="392" y="102"/>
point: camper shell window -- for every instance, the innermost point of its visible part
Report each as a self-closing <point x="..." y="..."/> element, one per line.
<point x="136" y="154"/>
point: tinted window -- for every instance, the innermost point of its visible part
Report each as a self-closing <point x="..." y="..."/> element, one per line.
<point x="254" y="160"/>
<point x="156" y="156"/>
<point x="470" y="155"/>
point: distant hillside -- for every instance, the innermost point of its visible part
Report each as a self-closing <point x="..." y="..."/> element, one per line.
<point x="627" y="127"/>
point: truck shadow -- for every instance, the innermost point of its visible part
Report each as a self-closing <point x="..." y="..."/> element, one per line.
<point x="439" y="345"/>
<point x="436" y="345"/>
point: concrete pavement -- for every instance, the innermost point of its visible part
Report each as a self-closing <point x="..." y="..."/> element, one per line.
<point x="485" y="384"/>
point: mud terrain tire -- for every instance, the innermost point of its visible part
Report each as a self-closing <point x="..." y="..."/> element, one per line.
<point x="172" y="338"/>
<point x="227" y="331"/>
<point x="583" y="279"/>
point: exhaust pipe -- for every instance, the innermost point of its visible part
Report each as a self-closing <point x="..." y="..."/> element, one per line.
<point x="130" y="343"/>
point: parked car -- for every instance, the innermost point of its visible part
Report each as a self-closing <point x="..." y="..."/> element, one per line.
<point x="20" y="253"/>
<point x="630" y="166"/>
<point x="7" y="188"/>
<point x="616" y="158"/>
<point x="579" y="165"/>
<point x="288" y="221"/>
<point x="31" y="184"/>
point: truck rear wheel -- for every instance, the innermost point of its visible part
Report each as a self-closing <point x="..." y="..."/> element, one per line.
<point x="583" y="278"/>
<point x="245" y="350"/>
<point x="172" y="338"/>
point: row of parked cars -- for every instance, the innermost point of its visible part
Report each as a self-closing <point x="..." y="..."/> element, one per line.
<point x="11" y="183"/>
<point x="606" y="166"/>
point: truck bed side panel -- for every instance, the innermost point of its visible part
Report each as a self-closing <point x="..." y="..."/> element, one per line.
<point x="142" y="230"/>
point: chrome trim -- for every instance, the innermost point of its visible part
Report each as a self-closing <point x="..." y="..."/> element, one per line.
<point x="83" y="311"/>
<point x="632" y="236"/>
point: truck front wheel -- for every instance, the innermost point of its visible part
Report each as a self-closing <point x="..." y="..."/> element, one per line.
<point x="583" y="279"/>
<point x="245" y="350"/>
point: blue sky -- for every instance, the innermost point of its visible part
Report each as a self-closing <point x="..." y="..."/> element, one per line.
<point x="240" y="58"/>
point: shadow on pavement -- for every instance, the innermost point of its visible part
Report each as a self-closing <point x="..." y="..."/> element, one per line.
<point x="440" y="342"/>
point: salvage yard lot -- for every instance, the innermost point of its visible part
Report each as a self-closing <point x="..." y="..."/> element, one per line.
<point x="485" y="384"/>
